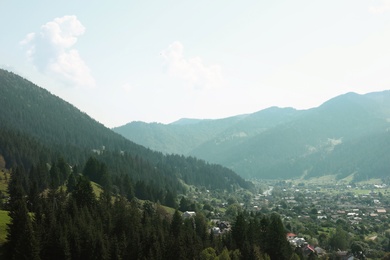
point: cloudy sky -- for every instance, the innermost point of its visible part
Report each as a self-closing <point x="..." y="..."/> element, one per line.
<point x="159" y="61"/>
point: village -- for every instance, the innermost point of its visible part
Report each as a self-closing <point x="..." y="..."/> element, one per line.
<point x="312" y="214"/>
<point x="354" y="204"/>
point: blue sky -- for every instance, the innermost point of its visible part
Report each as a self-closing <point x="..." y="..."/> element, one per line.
<point x="159" y="61"/>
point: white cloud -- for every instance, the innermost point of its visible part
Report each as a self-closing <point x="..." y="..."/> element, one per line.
<point x="192" y="70"/>
<point x="382" y="8"/>
<point x="51" y="51"/>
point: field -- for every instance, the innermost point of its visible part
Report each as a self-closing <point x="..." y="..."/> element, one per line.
<point x="4" y="219"/>
<point x="4" y="178"/>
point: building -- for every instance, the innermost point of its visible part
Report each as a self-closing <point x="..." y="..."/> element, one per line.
<point x="188" y="214"/>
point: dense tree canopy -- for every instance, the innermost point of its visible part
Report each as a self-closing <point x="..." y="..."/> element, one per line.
<point x="74" y="223"/>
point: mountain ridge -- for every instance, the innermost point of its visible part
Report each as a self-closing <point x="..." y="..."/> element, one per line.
<point x="285" y="142"/>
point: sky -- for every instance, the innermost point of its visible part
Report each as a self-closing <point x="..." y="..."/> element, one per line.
<point x="159" y="61"/>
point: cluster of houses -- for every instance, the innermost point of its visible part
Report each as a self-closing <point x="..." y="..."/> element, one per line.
<point x="307" y="249"/>
<point x="329" y="204"/>
<point x="219" y="227"/>
<point x="368" y="205"/>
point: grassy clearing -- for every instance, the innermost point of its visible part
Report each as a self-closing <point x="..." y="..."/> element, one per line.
<point x="360" y="191"/>
<point x="97" y="189"/>
<point x="347" y="179"/>
<point x="4" y="220"/>
<point x="371" y="181"/>
<point x="326" y="230"/>
<point x="4" y="179"/>
<point x="169" y="210"/>
<point x="331" y="179"/>
<point x="327" y="179"/>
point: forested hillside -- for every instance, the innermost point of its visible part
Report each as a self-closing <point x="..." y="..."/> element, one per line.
<point x="36" y="127"/>
<point x="71" y="222"/>
<point x="346" y="135"/>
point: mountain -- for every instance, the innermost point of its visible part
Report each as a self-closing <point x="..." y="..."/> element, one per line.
<point x="37" y="126"/>
<point x="179" y="137"/>
<point x="348" y="134"/>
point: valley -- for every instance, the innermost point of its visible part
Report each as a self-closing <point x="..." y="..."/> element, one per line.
<point x="276" y="184"/>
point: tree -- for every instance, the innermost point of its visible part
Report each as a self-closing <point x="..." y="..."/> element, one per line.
<point x="239" y="231"/>
<point x="339" y="239"/>
<point x="21" y="240"/>
<point x="176" y="244"/>
<point x="233" y="210"/>
<point x="170" y="199"/>
<point x="64" y="169"/>
<point x="208" y="254"/>
<point x="359" y="248"/>
<point x="224" y="255"/>
<point x="94" y="170"/>
<point x="54" y="176"/>
<point x="2" y="162"/>
<point x="184" y="204"/>
<point x="277" y="247"/>
<point x="83" y="193"/>
<point x="71" y="183"/>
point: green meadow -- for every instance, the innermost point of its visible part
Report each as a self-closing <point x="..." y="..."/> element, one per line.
<point x="4" y="219"/>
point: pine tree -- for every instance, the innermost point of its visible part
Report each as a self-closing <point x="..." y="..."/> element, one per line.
<point x="83" y="193"/>
<point x="239" y="231"/>
<point x="71" y="183"/>
<point x="170" y="200"/>
<point x="21" y="240"/>
<point x="176" y="246"/>
<point x="278" y="246"/>
<point x="54" y="176"/>
<point x="64" y="169"/>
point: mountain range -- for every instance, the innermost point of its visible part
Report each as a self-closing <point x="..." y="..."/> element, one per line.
<point x="346" y="135"/>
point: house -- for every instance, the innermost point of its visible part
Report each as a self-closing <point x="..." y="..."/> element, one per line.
<point x="344" y="255"/>
<point x="216" y="230"/>
<point x="320" y="251"/>
<point x="297" y="241"/>
<point x="309" y="250"/>
<point x="381" y="211"/>
<point x="223" y="225"/>
<point x="290" y="236"/>
<point x="188" y="214"/>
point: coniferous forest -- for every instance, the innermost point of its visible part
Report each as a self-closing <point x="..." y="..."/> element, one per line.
<point x="77" y="190"/>
<point x="56" y="214"/>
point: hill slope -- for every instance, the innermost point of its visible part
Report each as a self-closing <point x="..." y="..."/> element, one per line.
<point x="36" y="125"/>
<point x="347" y="134"/>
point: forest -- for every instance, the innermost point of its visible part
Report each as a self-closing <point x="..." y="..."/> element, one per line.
<point x="56" y="214"/>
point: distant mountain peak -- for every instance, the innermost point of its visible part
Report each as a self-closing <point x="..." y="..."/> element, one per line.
<point x="187" y="121"/>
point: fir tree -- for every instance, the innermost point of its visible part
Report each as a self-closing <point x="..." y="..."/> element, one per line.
<point x="21" y="240"/>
